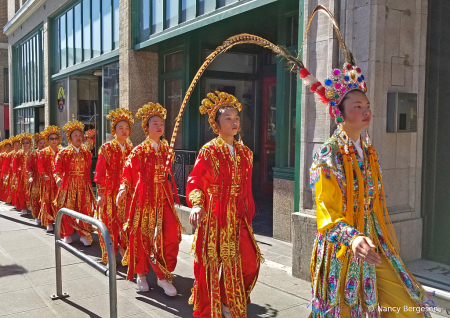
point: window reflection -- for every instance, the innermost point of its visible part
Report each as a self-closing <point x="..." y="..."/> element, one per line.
<point x="106" y="26"/>
<point x="77" y="23"/>
<point x="96" y="40"/>
<point x="110" y="97"/>
<point x="69" y="17"/>
<point x="87" y="29"/>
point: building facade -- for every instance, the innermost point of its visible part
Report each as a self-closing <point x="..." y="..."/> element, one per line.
<point x="81" y="58"/>
<point x="4" y="74"/>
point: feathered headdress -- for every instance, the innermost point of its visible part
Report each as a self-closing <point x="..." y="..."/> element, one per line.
<point x="339" y="82"/>
<point x="214" y="102"/>
<point x="119" y="114"/>
<point x="148" y="111"/>
<point x="72" y="126"/>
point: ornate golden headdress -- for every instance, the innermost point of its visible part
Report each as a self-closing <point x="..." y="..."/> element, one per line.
<point x="89" y="133"/>
<point x="25" y="135"/>
<point x="119" y="114"/>
<point x="148" y="111"/>
<point x="38" y="136"/>
<point x="7" y="142"/>
<point x="71" y="126"/>
<point x="14" y="139"/>
<point x="52" y="130"/>
<point x="214" y="102"/>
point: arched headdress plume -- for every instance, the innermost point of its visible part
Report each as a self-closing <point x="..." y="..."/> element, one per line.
<point x="243" y="38"/>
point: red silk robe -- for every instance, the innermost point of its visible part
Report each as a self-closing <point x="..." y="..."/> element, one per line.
<point x="7" y="171"/>
<point x="22" y="200"/>
<point x="47" y="188"/>
<point x="2" y="187"/>
<point x="108" y="172"/>
<point x="34" y="187"/>
<point x="152" y="208"/>
<point x="73" y="169"/>
<point x="221" y="184"/>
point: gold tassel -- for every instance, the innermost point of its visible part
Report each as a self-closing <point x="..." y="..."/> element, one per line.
<point x="360" y="216"/>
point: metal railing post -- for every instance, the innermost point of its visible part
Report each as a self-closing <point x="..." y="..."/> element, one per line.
<point x="110" y="271"/>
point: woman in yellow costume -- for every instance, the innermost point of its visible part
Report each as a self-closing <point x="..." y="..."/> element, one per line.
<point x="356" y="268"/>
<point x="6" y="148"/>
<point x="8" y="173"/>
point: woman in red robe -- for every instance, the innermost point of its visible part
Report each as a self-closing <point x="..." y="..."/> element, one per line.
<point x="48" y="188"/>
<point x="219" y="188"/>
<point x="72" y="170"/>
<point x="8" y="173"/>
<point x="5" y="151"/>
<point x="34" y="177"/>
<point x="152" y="207"/>
<point x="108" y="172"/>
<point x="22" y="199"/>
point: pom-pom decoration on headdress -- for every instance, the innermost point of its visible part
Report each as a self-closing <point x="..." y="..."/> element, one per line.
<point x="24" y="136"/>
<point x="117" y="115"/>
<point x="148" y="111"/>
<point x="335" y="87"/>
<point x="52" y="130"/>
<point x="71" y="126"/>
<point x="216" y="101"/>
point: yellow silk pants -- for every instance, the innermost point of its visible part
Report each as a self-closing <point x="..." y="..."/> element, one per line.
<point x="393" y="298"/>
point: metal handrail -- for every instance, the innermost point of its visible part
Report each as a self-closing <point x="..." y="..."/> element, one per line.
<point x="107" y="271"/>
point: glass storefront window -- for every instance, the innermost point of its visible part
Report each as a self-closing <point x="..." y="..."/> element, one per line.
<point x="173" y="95"/>
<point x="233" y="62"/>
<point x="78" y="45"/>
<point x="87" y="29"/>
<point x="187" y="10"/>
<point x="116" y="24"/>
<point x="173" y="62"/>
<point x="70" y="48"/>
<point x="106" y="26"/>
<point x="62" y="41"/>
<point x="110" y="97"/>
<point x="157" y="16"/>
<point x="27" y="70"/>
<point x="96" y="27"/>
<point x="24" y="120"/>
<point x="223" y="3"/>
<point x="205" y="6"/>
<point x="171" y="13"/>
<point x="144" y="27"/>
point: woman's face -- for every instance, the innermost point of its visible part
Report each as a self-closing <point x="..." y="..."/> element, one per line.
<point x="8" y="148"/>
<point x="77" y="138"/>
<point x="229" y="122"/>
<point x="155" y="127"/>
<point x="16" y="146"/>
<point x="53" y="140"/>
<point x="26" y="144"/>
<point x="41" y="144"/>
<point x="357" y="112"/>
<point x="122" y="130"/>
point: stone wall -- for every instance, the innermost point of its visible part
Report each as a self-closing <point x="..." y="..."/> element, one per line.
<point x="388" y="40"/>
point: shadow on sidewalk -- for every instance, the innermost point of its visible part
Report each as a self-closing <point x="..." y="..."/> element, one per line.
<point x="254" y="310"/>
<point x="9" y="270"/>
<point x="80" y="308"/>
<point x="28" y="216"/>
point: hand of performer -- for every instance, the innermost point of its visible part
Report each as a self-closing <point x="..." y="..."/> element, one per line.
<point x="59" y="184"/>
<point x="101" y="200"/>
<point x="30" y="180"/>
<point x="196" y="217"/>
<point x="363" y="248"/>
<point x="120" y="196"/>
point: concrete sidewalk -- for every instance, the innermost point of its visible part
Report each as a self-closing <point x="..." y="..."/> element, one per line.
<point x="27" y="279"/>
